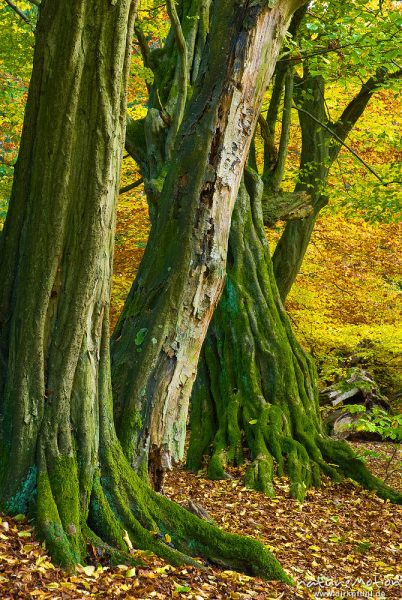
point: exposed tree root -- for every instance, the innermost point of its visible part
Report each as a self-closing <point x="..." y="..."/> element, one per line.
<point x="122" y="504"/>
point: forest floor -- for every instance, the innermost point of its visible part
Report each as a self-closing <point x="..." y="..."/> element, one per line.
<point x="342" y="542"/>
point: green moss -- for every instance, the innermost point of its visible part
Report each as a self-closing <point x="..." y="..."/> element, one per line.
<point x="216" y="469"/>
<point x="259" y="475"/>
<point x="19" y="503"/>
<point x="102" y="519"/>
<point x="229" y="299"/>
<point x="127" y="432"/>
<point x="4" y="454"/>
<point x="341" y="454"/>
<point x="63" y="478"/>
<point x="51" y="529"/>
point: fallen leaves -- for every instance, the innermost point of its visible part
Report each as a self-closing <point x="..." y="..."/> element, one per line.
<point x="342" y="539"/>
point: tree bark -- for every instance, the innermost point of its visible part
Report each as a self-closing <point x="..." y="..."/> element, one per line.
<point x="60" y="457"/>
<point x="255" y="396"/>
<point x="181" y="276"/>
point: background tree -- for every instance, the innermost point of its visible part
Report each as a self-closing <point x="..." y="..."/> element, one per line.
<point x="369" y="53"/>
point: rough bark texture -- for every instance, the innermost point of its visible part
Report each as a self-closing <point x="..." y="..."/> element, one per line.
<point x="181" y="276"/>
<point x="60" y="457"/>
<point x="255" y="396"/>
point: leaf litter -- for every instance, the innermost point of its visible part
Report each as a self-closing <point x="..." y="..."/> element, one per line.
<point x="342" y="540"/>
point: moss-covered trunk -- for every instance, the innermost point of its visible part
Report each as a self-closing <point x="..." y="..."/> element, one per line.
<point x="255" y="396"/>
<point x="60" y="457"/>
<point x="314" y="167"/>
<point x="158" y="338"/>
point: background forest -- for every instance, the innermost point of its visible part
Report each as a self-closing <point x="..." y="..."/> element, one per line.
<point x="330" y="126"/>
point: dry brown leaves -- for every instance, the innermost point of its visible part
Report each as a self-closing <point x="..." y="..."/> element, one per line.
<point x="341" y="540"/>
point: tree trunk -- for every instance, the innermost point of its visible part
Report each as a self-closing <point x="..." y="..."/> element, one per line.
<point x="320" y="148"/>
<point x="60" y="456"/>
<point x="181" y="275"/>
<point x="314" y="167"/>
<point x="255" y="396"/>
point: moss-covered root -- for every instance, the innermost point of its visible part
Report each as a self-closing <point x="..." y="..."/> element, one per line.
<point x="148" y="517"/>
<point x="113" y="510"/>
<point x="58" y="511"/>
<point x="193" y="536"/>
<point x="341" y="454"/>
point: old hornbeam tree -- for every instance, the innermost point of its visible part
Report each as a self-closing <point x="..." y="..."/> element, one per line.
<point x="60" y="456"/>
<point x="221" y="59"/>
<point x="255" y="396"/>
<point x="321" y="143"/>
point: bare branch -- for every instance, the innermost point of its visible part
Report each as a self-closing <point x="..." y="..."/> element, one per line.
<point x="19" y="13"/>
<point x="131" y="186"/>
<point x="183" y="69"/>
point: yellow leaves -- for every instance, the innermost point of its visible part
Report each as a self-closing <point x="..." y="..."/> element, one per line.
<point x="4" y="526"/>
<point x="302" y="537"/>
<point x="335" y="539"/>
<point x="88" y="570"/>
<point x="24" y="534"/>
<point x="163" y="570"/>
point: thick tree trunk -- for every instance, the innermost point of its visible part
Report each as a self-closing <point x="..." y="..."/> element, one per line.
<point x="60" y="456"/>
<point x="256" y="387"/>
<point x="181" y="276"/>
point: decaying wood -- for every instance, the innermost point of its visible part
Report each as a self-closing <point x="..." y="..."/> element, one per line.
<point x="286" y="206"/>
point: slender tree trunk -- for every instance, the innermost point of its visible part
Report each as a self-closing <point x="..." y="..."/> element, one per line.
<point x="320" y="148"/>
<point x="181" y="276"/>
<point x="60" y="457"/>
<point x="256" y="387"/>
<point x="314" y="167"/>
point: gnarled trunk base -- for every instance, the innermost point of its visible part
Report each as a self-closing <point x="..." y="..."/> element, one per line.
<point x="255" y="395"/>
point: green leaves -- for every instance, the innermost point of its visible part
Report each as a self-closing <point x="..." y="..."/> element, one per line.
<point x="183" y="589"/>
<point x="387" y="426"/>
